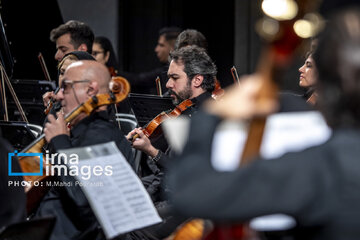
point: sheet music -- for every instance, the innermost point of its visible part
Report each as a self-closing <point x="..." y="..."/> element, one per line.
<point x="284" y="132"/>
<point x="120" y="201"/>
<point x="176" y="131"/>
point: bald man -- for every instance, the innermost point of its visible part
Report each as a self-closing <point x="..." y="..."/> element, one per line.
<point x="82" y="80"/>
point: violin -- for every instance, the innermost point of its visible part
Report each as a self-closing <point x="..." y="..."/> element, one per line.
<point x="152" y="129"/>
<point x="158" y="86"/>
<point x="120" y="88"/>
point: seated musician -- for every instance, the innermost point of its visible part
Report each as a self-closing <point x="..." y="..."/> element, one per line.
<point x="72" y="36"/>
<point x="82" y="80"/>
<point x="103" y="52"/>
<point x="191" y="76"/>
<point x="317" y="186"/>
<point x="308" y="78"/>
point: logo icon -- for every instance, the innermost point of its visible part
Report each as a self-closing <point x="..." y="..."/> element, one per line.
<point x="15" y="153"/>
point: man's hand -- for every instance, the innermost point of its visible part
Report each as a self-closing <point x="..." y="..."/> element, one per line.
<point x="47" y="96"/>
<point x="142" y="143"/>
<point x="55" y="127"/>
<point x="241" y="102"/>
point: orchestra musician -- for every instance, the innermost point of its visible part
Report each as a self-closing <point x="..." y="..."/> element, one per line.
<point x="191" y="76"/>
<point x="191" y="37"/>
<point x="82" y="80"/>
<point x="103" y="52"/>
<point x="316" y="186"/>
<point x="308" y="78"/>
<point x="144" y="82"/>
<point x="72" y="36"/>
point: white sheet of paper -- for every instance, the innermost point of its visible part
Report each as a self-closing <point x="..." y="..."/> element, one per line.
<point x="230" y="138"/>
<point x="121" y="203"/>
<point x="177" y="132"/>
<point x="284" y="132"/>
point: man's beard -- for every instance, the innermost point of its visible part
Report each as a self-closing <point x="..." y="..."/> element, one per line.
<point x="182" y="95"/>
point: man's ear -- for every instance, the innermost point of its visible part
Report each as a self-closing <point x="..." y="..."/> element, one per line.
<point x="93" y="88"/>
<point x="82" y="47"/>
<point x="197" y="80"/>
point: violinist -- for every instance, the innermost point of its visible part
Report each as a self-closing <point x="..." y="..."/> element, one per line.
<point x="316" y="185"/>
<point x="82" y="80"/>
<point x="191" y="76"/>
<point x="308" y="78"/>
<point x="103" y="52"/>
<point x="72" y="36"/>
<point x="190" y="37"/>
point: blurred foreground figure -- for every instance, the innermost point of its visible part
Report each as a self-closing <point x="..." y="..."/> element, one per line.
<point x="317" y="186"/>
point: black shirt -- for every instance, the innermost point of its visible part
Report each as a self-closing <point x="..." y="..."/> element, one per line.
<point x="75" y="219"/>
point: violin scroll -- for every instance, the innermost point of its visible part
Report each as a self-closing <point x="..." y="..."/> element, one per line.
<point x="119" y="86"/>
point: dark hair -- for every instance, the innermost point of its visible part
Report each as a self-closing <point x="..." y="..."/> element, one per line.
<point x="191" y="37"/>
<point x="196" y="61"/>
<point x="338" y="63"/>
<point x="170" y="33"/>
<point x="107" y="46"/>
<point x="79" y="32"/>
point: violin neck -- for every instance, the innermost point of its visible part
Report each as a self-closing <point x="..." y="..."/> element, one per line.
<point x="70" y="116"/>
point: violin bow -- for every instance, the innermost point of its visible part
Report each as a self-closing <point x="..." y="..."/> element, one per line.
<point x="235" y="75"/>
<point x="43" y="66"/>
<point x="158" y="86"/>
<point x="5" y="78"/>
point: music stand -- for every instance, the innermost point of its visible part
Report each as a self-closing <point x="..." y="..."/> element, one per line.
<point x="17" y="133"/>
<point x="146" y="107"/>
<point x="38" y="229"/>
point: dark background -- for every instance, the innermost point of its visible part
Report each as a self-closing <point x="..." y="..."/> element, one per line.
<point x="132" y="26"/>
<point x="133" y="29"/>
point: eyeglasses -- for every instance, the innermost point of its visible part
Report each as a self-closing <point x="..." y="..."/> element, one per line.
<point x="95" y="53"/>
<point x="67" y="84"/>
